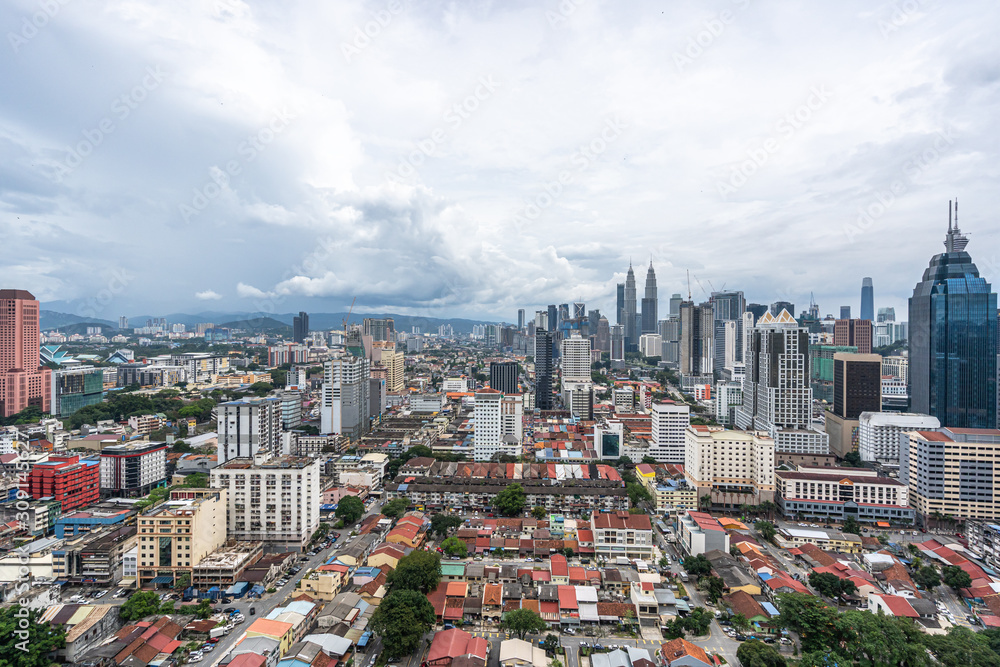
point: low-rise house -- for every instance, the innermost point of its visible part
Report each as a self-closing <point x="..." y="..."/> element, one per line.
<point x="682" y="653"/>
<point x="457" y="647"/>
<point x="265" y="647"/>
<point x="519" y="653"/>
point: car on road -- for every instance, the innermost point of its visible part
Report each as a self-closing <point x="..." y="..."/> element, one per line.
<point x="253" y="611"/>
<point x="100" y="594"/>
<point x="208" y="648"/>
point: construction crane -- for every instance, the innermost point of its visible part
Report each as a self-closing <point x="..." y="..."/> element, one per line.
<point x="689" y="284"/>
<point x="350" y="310"/>
<point x="700" y="286"/>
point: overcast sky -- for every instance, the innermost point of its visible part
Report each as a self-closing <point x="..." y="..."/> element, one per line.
<point x="471" y="158"/>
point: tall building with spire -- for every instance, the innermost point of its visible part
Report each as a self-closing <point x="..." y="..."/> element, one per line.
<point x="629" y="312"/>
<point x="953" y="339"/>
<point x="649" y="302"/>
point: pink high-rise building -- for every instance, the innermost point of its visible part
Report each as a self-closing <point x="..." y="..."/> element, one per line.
<point x="23" y="380"/>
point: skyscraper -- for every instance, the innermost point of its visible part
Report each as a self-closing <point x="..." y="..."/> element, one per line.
<point x="845" y="312"/>
<point x="543" y="369"/>
<point x="867" y="300"/>
<point x="503" y="376"/>
<point x="854" y="333"/>
<point x="23" y="379"/>
<point x="650" y="303"/>
<point x="618" y="343"/>
<point x="620" y="307"/>
<point x="300" y="327"/>
<point x="520" y="318"/>
<point x="675" y="305"/>
<point x="857" y="388"/>
<point x="631" y="339"/>
<point x="696" y="339"/>
<point x="593" y="321"/>
<point x="758" y="310"/>
<point x="577" y="385"/>
<point x="552" y="321"/>
<point x="779" y="306"/>
<point x="377" y="328"/>
<point x="603" y="335"/>
<point x="346" y="394"/>
<point x="953" y="339"/>
<point x="727" y="307"/>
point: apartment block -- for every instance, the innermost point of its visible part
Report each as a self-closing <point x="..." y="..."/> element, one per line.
<point x="72" y="481"/>
<point x="249" y="427"/>
<point x="670" y="422"/>
<point x="734" y="467"/>
<point x="622" y="534"/>
<point x="175" y="535"/>
<point x="699" y="532"/>
<point x="880" y="433"/>
<point x="133" y="469"/>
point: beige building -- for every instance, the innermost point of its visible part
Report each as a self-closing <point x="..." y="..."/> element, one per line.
<point x="952" y="472"/>
<point x="670" y="494"/>
<point x="735" y="467"/>
<point x="175" y="535"/>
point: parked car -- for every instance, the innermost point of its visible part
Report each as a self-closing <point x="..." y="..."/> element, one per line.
<point x="229" y="610"/>
<point x="253" y="611"/>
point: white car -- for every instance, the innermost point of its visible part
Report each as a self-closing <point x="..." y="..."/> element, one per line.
<point x="195" y="658"/>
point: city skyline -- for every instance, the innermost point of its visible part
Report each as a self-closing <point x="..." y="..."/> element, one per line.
<point x="320" y="187"/>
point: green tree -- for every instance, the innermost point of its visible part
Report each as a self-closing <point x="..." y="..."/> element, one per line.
<point x="851" y="525"/>
<point x="455" y="547"/>
<point x="766" y="529"/>
<point x="510" y="501"/>
<point x="697" y="565"/>
<point x="853" y="459"/>
<point x="395" y="507"/>
<point x="698" y="621"/>
<point x="756" y="653"/>
<point x="204" y="609"/>
<point x="705" y="501"/>
<point x="956" y="577"/>
<point x="539" y="512"/>
<point x="442" y="523"/>
<point x="25" y="640"/>
<point x="813" y="620"/>
<point x="714" y="588"/>
<point x="140" y="605"/>
<point x="417" y="571"/>
<point x="831" y="585"/>
<point x="877" y="639"/>
<point x="962" y="647"/>
<point x="521" y="622"/>
<point x="663" y="563"/>
<point x="637" y="493"/>
<point x="260" y="388"/>
<point x="741" y="622"/>
<point x="649" y="460"/>
<point x="198" y="480"/>
<point x="927" y="577"/>
<point x="349" y="509"/>
<point x="401" y="620"/>
<point x="625" y="462"/>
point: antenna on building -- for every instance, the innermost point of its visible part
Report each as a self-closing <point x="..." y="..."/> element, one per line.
<point x="956" y="214"/>
<point x="689" y="284"/>
<point x="949" y="216"/>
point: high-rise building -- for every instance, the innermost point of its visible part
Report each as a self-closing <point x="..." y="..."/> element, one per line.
<point x="575" y="356"/>
<point x="696" y="339"/>
<point x="629" y="312"/>
<point x="675" y="305"/>
<point x="845" y="312"/>
<point x="670" y="421"/>
<point x="552" y="320"/>
<point x="75" y="388"/>
<point x="620" y="303"/>
<point x="953" y="339"/>
<point x="670" y="335"/>
<point x="503" y="376"/>
<point x="886" y="314"/>
<point x="68" y="479"/>
<point x="602" y="339"/>
<point x="779" y="306"/>
<point x="300" y="327"/>
<point x="758" y="310"/>
<point x="186" y="529"/>
<point x="23" y="379"/>
<point x="650" y="303"/>
<point x="734" y="467"/>
<point x="132" y="469"/>
<point x="578" y="398"/>
<point x="853" y="333"/>
<point x="618" y="342"/>
<point x="541" y="319"/>
<point x="543" y="369"/>
<point x="651" y="345"/>
<point x="346" y="394"/>
<point x="249" y="427"/>
<point x="520" y="318"/>
<point x="727" y="307"/>
<point x="857" y="388"/>
<point x="379" y="328"/>
<point x="867" y="300"/>
<point x="777" y="397"/>
<point x="879" y="433"/>
<point x="123" y="322"/>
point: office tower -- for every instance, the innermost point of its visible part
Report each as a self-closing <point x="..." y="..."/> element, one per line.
<point x="821" y="369"/>
<point x="845" y="312"/>
<point x="879" y="433"/>
<point x="618" y="343"/>
<point x="379" y="328"/>
<point x="23" y="379"/>
<point x="578" y="398"/>
<point x="670" y="420"/>
<point x="853" y="333"/>
<point x="953" y="339"/>
<point x="249" y="427"/>
<point x="300" y="327"/>
<point x="953" y="472"/>
<point x="696" y="339"/>
<point x="346" y="395"/>
<point x="543" y="369"/>
<point x="651" y="345"/>
<point x="776" y="393"/>
<point x="123" y="322"/>
<point x="867" y="300"/>
<point x="579" y="310"/>
<point x="758" y="310"/>
<point x="886" y="314"/>
<point x="503" y="376"/>
<point x="620" y="303"/>
<point x="857" y="388"/>
<point x="563" y="315"/>
<point x="541" y="319"/>
<point x="670" y="339"/>
<point x="779" y="306"/>
<point x="520" y="319"/>
<point x="593" y="321"/>
<point x="132" y="469"/>
<point x="76" y="387"/>
<point x="552" y="320"/>
<point x="727" y="307"/>
<point x="602" y="338"/>
<point x="629" y="313"/>
<point x="649" y="303"/>
<point x="675" y="305"/>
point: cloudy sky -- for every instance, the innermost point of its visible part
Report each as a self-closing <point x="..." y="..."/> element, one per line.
<point x="471" y="158"/>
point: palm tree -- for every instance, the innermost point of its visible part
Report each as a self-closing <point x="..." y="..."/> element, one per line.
<point x="741" y="622"/>
<point x="705" y="502"/>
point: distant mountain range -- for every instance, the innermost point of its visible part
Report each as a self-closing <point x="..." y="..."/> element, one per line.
<point x="51" y="319"/>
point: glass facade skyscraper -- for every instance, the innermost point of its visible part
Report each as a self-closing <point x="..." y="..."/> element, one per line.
<point x="867" y="300"/>
<point x="953" y="339"/>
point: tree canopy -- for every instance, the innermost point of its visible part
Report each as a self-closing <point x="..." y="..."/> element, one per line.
<point x="25" y="640"/>
<point x="140" y="605"/>
<point x="756" y="653"/>
<point x="539" y="512"/>
<point x="956" y="577"/>
<point x="521" y="622"/>
<point x="401" y="620"/>
<point x="455" y="547"/>
<point x="766" y="529"/>
<point x="510" y="501"/>
<point x="852" y="526"/>
<point x="927" y="577"/>
<point x="349" y="509"/>
<point x="442" y="523"/>
<point x="697" y="565"/>
<point x="417" y="571"/>
<point x="831" y="585"/>
<point x="395" y="507"/>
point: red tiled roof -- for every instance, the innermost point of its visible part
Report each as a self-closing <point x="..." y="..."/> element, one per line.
<point x="567" y="597"/>
<point x="679" y="648"/>
<point x="899" y="606"/>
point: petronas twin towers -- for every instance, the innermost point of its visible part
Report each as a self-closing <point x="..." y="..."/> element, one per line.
<point x="634" y="323"/>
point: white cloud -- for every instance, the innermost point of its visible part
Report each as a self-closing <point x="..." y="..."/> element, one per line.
<point x="208" y="295"/>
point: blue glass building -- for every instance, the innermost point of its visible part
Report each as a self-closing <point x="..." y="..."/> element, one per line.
<point x="867" y="300"/>
<point x="953" y="339"/>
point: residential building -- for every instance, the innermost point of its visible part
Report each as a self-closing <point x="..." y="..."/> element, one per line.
<point x="671" y="493"/>
<point x="880" y="433"/>
<point x="777" y="397"/>
<point x="249" y="427"/>
<point x="623" y="399"/>
<point x="984" y="541"/>
<point x="72" y="481"/>
<point x="133" y="469"/>
<point x="578" y="398"/>
<point x="834" y="495"/>
<point x="383" y="329"/>
<point x="175" y="535"/>
<point x="853" y="333"/>
<point x="697" y="338"/>
<point x="199" y="366"/>
<point x="23" y="379"/>
<point x="393" y="362"/>
<point x="952" y="472"/>
<point x="575" y="358"/>
<point x="96" y="557"/>
<point x="488" y="440"/>
<point x="75" y="388"/>
<point x="728" y="397"/>
<point x="291" y="409"/>
<point x="543" y="369"/>
<point x="503" y="376"/>
<point x="651" y="345"/>
<point x="682" y="653"/>
<point x="953" y="339"/>
<point x="622" y="534"/>
<point x="700" y="532"/>
<point x="857" y="388"/>
<point x="346" y="395"/>
<point x="727" y="328"/>
<point x="274" y="501"/>
<point x="734" y="467"/>
<point x="670" y="422"/>
<point x="287" y="353"/>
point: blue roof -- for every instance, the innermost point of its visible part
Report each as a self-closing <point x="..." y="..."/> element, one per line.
<point x="770" y="609"/>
